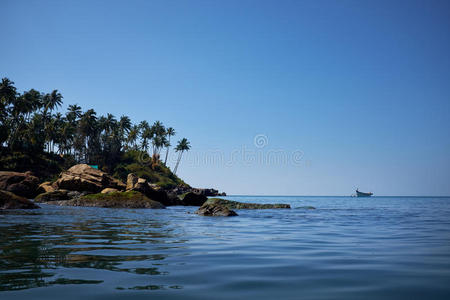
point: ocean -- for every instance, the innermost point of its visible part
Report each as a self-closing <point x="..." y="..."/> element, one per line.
<point x="346" y="248"/>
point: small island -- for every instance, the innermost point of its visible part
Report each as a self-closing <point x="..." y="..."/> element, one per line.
<point x="77" y="158"/>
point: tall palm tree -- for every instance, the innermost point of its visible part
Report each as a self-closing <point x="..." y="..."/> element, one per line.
<point x="52" y="101"/>
<point x="158" y="128"/>
<point x="124" y="128"/>
<point x="87" y="129"/>
<point x="157" y="143"/>
<point x="183" y="145"/>
<point x="73" y="113"/>
<point x="169" y="132"/>
<point x="21" y="110"/>
<point x="132" y="136"/>
<point x="8" y="91"/>
<point x="158" y="137"/>
<point x="146" y="134"/>
<point x="8" y="95"/>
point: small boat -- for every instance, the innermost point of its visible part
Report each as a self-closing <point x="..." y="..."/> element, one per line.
<point x="361" y="194"/>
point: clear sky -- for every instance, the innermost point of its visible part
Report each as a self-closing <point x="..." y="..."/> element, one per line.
<point x="339" y="94"/>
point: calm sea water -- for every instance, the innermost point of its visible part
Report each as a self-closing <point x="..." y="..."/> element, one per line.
<point x="347" y="248"/>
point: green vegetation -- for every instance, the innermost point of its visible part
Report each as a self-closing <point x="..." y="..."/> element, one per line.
<point x="116" y="195"/>
<point x="183" y="145"/>
<point x="34" y="136"/>
<point x="45" y="165"/>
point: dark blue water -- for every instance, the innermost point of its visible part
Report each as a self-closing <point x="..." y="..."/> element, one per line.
<point x="347" y="248"/>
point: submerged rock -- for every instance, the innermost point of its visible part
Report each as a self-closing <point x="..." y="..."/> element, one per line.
<point x="21" y="184"/>
<point x="215" y="210"/>
<point x="85" y="178"/>
<point x="193" y="199"/>
<point x="129" y="199"/>
<point x="239" y="205"/>
<point x="9" y="200"/>
<point x="305" y="207"/>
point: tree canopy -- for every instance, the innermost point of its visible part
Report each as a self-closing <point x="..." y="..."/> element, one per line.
<point x="30" y="122"/>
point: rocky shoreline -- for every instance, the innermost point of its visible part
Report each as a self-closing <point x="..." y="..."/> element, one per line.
<point x="82" y="185"/>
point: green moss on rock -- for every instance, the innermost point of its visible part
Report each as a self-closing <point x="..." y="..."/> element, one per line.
<point x="130" y="199"/>
<point x="239" y="205"/>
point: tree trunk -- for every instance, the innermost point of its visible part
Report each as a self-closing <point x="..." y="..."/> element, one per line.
<point x="178" y="162"/>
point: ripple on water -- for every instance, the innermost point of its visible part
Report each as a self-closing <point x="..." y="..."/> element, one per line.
<point x="345" y="248"/>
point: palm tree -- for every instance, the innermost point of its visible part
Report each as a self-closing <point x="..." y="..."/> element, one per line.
<point x="8" y="92"/>
<point x="146" y="134"/>
<point x="183" y="145"/>
<point x="73" y="113"/>
<point x="158" y="142"/>
<point x="52" y="100"/>
<point x="132" y="136"/>
<point x="87" y="129"/>
<point x="170" y="132"/>
<point x="124" y="128"/>
<point x="158" y="137"/>
<point x="67" y="133"/>
<point x="158" y="128"/>
<point x="21" y="110"/>
<point x="8" y="95"/>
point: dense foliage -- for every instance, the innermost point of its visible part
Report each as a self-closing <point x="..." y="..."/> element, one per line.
<point x="31" y="126"/>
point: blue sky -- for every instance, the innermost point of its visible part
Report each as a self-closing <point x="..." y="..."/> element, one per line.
<point x="342" y="94"/>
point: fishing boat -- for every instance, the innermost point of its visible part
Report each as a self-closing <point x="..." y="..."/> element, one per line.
<point x="362" y="194"/>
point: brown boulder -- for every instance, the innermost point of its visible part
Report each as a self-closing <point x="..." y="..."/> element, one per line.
<point x="21" y="184"/>
<point x="9" y="200"/>
<point x="46" y="187"/>
<point x="109" y="190"/>
<point x="131" y="181"/>
<point x="141" y="185"/>
<point x="85" y="178"/>
<point x="215" y="211"/>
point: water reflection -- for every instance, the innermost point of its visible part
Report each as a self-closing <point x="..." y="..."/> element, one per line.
<point x="32" y="253"/>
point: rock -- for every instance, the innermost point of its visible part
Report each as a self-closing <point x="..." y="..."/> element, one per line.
<point x="305" y="207"/>
<point x="85" y="178"/>
<point x="58" y="195"/>
<point x="21" y="184"/>
<point x="131" y="181"/>
<point x="215" y="210"/>
<point x="77" y="194"/>
<point x="46" y="187"/>
<point x="173" y="199"/>
<point x="155" y="186"/>
<point x="53" y="196"/>
<point x="180" y="190"/>
<point x="208" y="192"/>
<point x="141" y="185"/>
<point x="9" y="200"/>
<point x="193" y="199"/>
<point x="109" y="190"/>
<point x="129" y="199"/>
<point x="239" y="205"/>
